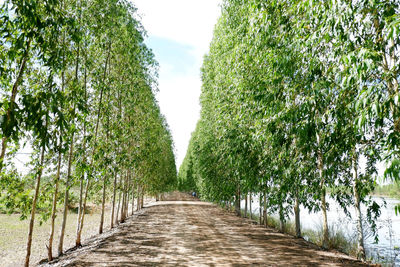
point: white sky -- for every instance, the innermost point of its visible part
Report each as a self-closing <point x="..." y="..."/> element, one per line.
<point x="189" y="24"/>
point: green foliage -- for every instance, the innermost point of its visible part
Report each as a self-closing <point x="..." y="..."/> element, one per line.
<point x="14" y="194"/>
<point x="298" y="97"/>
<point x="78" y="83"/>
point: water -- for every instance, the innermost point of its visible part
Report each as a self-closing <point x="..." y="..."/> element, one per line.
<point x="388" y="224"/>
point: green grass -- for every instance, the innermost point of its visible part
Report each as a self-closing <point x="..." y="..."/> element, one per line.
<point x="13" y="236"/>
<point x="337" y="238"/>
<point x="390" y="190"/>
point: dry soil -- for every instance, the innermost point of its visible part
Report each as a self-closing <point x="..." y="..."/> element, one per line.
<point x="185" y="232"/>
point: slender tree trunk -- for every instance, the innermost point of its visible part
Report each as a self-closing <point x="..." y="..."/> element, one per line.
<point x="102" y="207"/>
<point x="281" y="219"/>
<point x="66" y="196"/>
<point x="142" y="199"/>
<point x="251" y="210"/>
<point x="57" y="179"/>
<point x="237" y="201"/>
<point x="122" y="219"/>
<point x="128" y="193"/>
<point x="138" y="197"/>
<point x="105" y="176"/>
<point x="133" y="198"/>
<point x="113" y="200"/>
<point x="81" y="183"/>
<point x="119" y="199"/>
<point x="14" y="93"/>
<point x="297" y="217"/>
<point x="325" y="220"/>
<point x="245" y="206"/>
<point x="54" y="206"/>
<point x="325" y="230"/>
<point x="128" y="198"/>
<point x="82" y="219"/>
<point x="33" y="212"/>
<point x="70" y="159"/>
<point x="80" y="207"/>
<point x="260" y="207"/>
<point x="265" y="210"/>
<point x="357" y="202"/>
<point x="127" y="186"/>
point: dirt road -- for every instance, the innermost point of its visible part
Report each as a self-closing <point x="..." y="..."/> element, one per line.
<point x="194" y="233"/>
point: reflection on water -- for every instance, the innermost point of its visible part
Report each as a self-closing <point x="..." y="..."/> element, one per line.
<point x="388" y="226"/>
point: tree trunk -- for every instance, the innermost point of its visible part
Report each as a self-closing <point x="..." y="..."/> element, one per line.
<point x="138" y="197"/>
<point x="66" y="195"/>
<point x="142" y="199"/>
<point x="260" y="207"/>
<point x="325" y="231"/>
<point x="81" y="183"/>
<point x="251" y="210"/>
<point x="80" y="207"/>
<point x="123" y="201"/>
<point x="82" y="219"/>
<point x="237" y="201"/>
<point x="119" y="200"/>
<point x="357" y="201"/>
<point x="133" y="198"/>
<point x="281" y="219"/>
<point x="113" y="200"/>
<point x="245" y="206"/>
<point x="102" y="207"/>
<point x="297" y="217"/>
<point x="127" y="195"/>
<point x="56" y="184"/>
<point x="265" y="216"/>
<point x="33" y="212"/>
<point x="54" y="206"/>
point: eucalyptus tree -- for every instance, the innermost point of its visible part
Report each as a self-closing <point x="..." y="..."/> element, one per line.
<point x="354" y="58"/>
<point x="28" y="34"/>
<point x="54" y="95"/>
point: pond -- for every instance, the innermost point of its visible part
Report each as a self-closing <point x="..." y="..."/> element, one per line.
<point x="388" y="224"/>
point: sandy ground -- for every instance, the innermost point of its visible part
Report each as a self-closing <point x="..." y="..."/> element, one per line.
<point x="186" y="232"/>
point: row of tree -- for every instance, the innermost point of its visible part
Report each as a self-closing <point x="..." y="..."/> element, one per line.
<point x="77" y="86"/>
<point x="299" y="98"/>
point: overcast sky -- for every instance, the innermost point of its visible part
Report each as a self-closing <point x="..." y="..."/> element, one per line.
<point x="179" y="33"/>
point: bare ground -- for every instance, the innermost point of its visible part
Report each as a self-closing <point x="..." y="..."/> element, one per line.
<point x="194" y="233"/>
<point x="13" y="235"/>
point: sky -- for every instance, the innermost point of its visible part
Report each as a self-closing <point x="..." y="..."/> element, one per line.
<point x="179" y="33"/>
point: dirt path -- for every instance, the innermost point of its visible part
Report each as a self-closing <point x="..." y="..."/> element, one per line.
<point x="194" y="233"/>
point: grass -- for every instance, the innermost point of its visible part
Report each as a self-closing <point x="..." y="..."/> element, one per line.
<point x="390" y="190"/>
<point x="337" y="238"/>
<point x="13" y="235"/>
